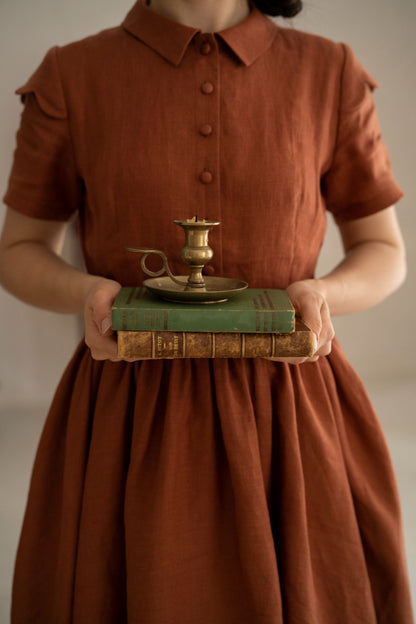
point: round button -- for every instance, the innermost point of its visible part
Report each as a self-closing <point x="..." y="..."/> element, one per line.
<point x="206" y="177"/>
<point x="205" y="130"/>
<point x="205" y="48"/>
<point x="209" y="269"/>
<point x="207" y="87"/>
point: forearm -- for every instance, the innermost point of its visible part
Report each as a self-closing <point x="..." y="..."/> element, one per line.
<point x="38" y="276"/>
<point x="370" y="271"/>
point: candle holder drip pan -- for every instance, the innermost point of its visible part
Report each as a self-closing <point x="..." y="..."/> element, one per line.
<point x="217" y="289"/>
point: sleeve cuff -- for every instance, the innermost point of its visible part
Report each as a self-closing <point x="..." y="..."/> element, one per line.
<point x="383" y="199"/>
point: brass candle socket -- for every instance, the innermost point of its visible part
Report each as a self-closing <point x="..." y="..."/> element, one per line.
<point x="196" y="251"/>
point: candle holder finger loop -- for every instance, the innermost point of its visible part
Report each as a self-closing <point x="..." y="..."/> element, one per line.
<point x="165" y="268"/>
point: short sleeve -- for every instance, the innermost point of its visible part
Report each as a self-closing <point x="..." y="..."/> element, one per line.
<point x="43" y="182"/>
<point x="360" y="181"/>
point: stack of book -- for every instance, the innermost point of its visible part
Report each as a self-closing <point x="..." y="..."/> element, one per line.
<point x="256" y="323"/>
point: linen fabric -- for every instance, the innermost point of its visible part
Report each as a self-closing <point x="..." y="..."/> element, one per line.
<point x="207" y="491"/>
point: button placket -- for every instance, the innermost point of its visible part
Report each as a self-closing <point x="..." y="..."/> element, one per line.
<point x="207" y="115"/>
<point x="207" y="89"/>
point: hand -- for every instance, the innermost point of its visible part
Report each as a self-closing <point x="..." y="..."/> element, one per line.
<point x="309" y="301"/>
<point x="99" y="336"/>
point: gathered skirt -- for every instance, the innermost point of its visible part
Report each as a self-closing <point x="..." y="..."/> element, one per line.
<point x="211" y="492"/>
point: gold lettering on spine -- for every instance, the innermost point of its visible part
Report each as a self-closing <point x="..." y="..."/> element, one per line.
<point x="243" y="345"/>
<point x="273" y="345"/>
<point x="153" y="345"/>
<point x="213" y="345"/>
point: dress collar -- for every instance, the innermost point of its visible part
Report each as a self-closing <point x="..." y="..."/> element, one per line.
<point x="248" y="39"/>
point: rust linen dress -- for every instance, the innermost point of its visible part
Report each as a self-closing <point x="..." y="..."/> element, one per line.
<point x="198" y="491"/>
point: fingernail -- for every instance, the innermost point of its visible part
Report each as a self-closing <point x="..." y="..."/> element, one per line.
<point x="105" y="325"/>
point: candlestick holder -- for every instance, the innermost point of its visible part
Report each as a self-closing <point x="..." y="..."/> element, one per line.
<point x="195" y="288"/>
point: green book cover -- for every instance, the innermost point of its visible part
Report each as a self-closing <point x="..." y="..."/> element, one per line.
<point x="253" y="310"/>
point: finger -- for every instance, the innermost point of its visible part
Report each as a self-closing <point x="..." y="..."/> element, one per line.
<point x="101" y="311"/>
<point x="315" y="313"/>
<point x="328" y="331"/>
<point x="102" y="347"/>
<point x="325" y="349"/>
<point x="318" y="319"/>
<point x="104" y="355"/>
<point x="99" y="336"/>
<point x="309" y="311"/>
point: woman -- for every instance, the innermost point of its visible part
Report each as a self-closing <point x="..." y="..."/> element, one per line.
<point x="194" y="490"/>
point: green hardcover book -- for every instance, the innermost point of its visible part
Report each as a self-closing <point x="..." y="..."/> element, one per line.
<point x="253" y="310"/>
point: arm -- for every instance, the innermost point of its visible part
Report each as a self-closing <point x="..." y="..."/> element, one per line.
<point x="32" y="270"/>
<point x="374" y="266"/>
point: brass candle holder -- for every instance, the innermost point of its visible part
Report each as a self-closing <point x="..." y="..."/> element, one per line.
<point x="195" y="288"/>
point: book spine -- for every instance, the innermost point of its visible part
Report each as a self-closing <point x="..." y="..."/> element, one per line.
<point x="144" y="344"/>
<point x="267" y="311"/>
<point x="264" y="321"/>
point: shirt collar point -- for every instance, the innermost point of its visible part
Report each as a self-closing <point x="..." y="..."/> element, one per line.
<point x="248" y="39"/>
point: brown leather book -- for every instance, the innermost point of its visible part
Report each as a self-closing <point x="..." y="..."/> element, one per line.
<point x="174" y="344"/>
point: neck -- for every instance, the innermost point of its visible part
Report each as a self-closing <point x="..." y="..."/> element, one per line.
<point x="207" y="15"/>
